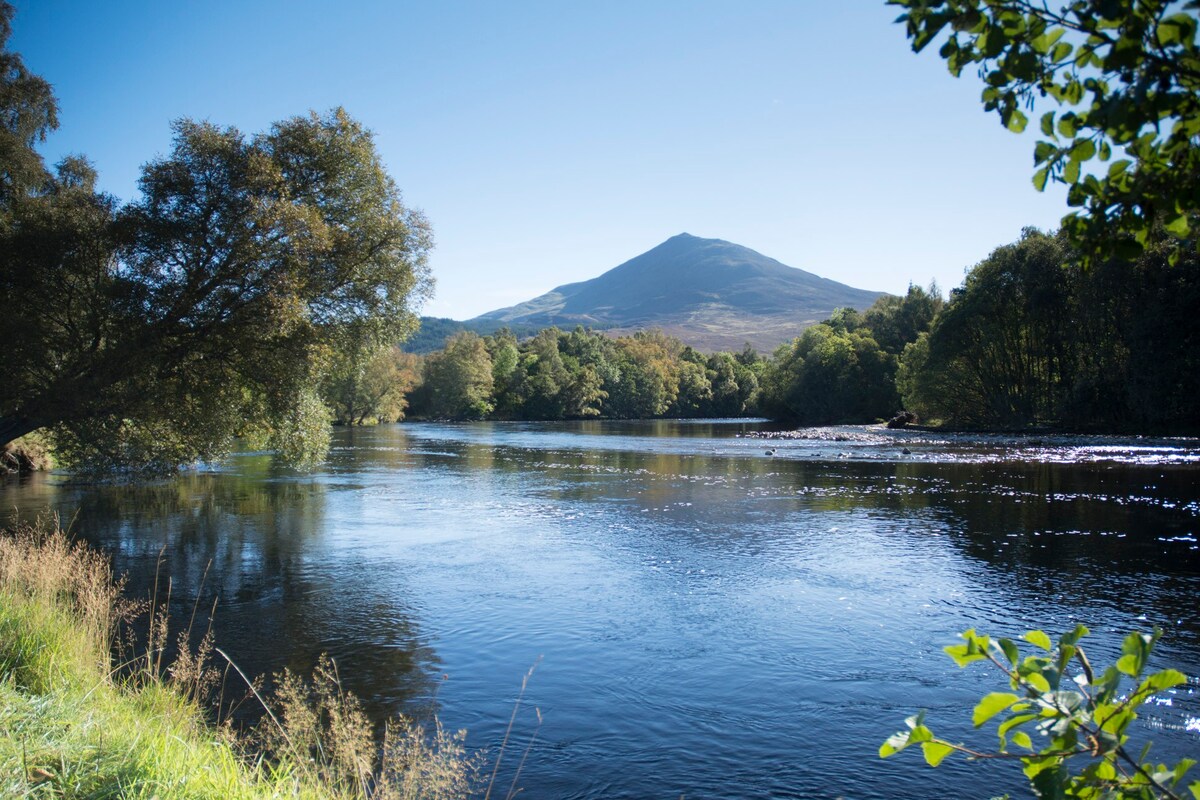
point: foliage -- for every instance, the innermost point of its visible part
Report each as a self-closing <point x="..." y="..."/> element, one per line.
<point x="458" y="380"/>
<point x="150" y="334"/>
<point x="844" y="369"/>
<point x="78" y="723"/>
<point x="371" y="384"/>
<point x="894" y="321"/>
<point x="999" y="353"/>
<point x="1031" y="338"/>
<point x="830" y="375"/>
<point x="1083" y="720"/>
<point x="1124" y="77"/>
<point x="324" y="729"/>
<point x="584" y="374"/>
<point x="433" y="332"/>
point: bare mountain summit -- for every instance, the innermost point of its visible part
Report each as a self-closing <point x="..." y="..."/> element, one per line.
<point x="712" y="294"/>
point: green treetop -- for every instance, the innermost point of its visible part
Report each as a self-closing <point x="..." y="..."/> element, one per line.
<point x="1123" y="81"/>
<point x="150" y="335"/>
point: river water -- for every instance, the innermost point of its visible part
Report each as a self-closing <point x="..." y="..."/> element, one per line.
<point x="708" y="610"/>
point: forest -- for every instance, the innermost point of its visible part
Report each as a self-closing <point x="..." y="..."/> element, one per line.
<point x="1033" y="338"/>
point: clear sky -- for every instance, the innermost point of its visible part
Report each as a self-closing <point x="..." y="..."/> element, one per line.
<point x="550" y="141"/>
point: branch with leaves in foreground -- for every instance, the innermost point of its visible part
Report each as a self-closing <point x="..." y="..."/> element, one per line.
<point x="1083" y="720"/>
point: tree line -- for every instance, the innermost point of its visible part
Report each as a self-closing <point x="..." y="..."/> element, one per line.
<point x="1035" y="336"/>
<point x="555" y="374"/>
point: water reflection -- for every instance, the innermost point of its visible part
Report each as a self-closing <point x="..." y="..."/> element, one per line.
<point x="251" y="541"/>
<point x="707" y="612"/>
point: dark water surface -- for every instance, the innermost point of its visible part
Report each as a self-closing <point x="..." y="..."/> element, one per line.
<point x="707" y="620"/>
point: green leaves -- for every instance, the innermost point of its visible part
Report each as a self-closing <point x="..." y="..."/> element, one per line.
<point x="1134" y="651"/>
<point x="935" y="752"/>
<point x="1115" y="74"/>
<point x="991" y="705"/>
<point x="1038" y="639"/>
<point x="974" y="649"/>
<point x="916" y="733"/>
<point x="1086" y="727"/>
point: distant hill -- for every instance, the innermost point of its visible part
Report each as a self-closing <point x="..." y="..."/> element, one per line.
<point x="434" y="332"/>
<point x="712" y="294"/>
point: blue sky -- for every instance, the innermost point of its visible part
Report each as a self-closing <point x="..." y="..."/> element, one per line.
<point x="550" y="141"/>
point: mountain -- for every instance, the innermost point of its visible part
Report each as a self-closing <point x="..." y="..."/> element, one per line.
<point x="712" y="294"/>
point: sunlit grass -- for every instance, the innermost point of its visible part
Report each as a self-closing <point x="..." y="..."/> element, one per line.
<point x="73" y="726"/>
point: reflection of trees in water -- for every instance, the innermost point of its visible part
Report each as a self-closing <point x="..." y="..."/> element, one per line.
<point x="252" y="543"/>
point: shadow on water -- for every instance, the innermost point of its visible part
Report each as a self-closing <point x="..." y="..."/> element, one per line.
<point x="251" y="541"/>
<point x="709" y="605"/>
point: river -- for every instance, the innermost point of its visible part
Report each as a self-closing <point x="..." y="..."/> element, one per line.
<point x="708" y="611"/>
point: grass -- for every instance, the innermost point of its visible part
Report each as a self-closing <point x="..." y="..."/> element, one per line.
<point x="75" y="725"/>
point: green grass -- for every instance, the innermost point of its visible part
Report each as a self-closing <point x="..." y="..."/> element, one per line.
<point x="70" y="729"/>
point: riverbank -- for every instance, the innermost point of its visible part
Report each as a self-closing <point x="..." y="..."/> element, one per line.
<point x="76" y="724"/>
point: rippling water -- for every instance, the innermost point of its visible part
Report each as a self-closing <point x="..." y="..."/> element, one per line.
<point x="713" y="611"/>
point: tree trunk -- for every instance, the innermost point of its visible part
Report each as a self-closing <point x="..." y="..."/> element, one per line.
<point x="16" y="426"/>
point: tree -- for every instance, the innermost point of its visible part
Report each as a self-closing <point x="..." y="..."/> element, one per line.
<point x="374" y="387"/>
<point x="1001" y="352"/>
<point x="895" y="321"/>
<point x="150" y="335"/>
<point x="458" y="380"/>
<point x="1082" y="719"/>
<point x="1124" y="78"/>
<point x="834" y="372"/>
<point x="29" y="113"/>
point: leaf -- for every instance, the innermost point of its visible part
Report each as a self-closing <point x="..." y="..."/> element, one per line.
<point x="991" y="705"/>
<point x="1135" y="648"/>
<point x="1016" y="121"/>
<point x="1043" y="43"/>
<point x="1009" y="649"/>
<point x="1062" y="51"/>
<point x="1038" y="639"/>
<point x="1129" y="665"/>
<point x="936" y="752"/>
<point x="1048" y="123"/>
<point x="895" y="743"/>
<point x="1165" y="679"/>
<point x="1179" y="226"/>
<point x="973" y="650"/>
<point x="1037" y="681"/>
<point x="1021" y="738"/>
<point x="1071" y="172"/>
<point x="1039" y="183"/>
<point x="1013" y="722"/>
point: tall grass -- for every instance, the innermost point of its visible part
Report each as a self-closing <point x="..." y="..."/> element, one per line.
<point x="77" y="722"/>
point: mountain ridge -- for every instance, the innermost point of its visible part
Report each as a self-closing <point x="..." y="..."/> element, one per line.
<point x="711" y="293"/>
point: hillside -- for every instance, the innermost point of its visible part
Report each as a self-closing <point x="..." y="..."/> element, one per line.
<point x="712" y="294"/>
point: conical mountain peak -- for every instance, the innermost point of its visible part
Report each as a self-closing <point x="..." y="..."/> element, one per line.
<point x="711" y="293"/>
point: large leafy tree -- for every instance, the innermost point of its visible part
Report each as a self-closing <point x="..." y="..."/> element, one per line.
<point x="1117" y="85"/>
<point x="834" y="372"/>
<point x="150" y="335"/>
<point x="458" y="380"/>
<point x="1002" y="351"/>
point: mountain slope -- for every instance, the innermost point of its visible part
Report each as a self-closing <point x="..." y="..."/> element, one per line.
<point x="712" y="294"/>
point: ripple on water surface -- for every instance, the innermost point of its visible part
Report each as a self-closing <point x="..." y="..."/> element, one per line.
<point x="704" y="616"/>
